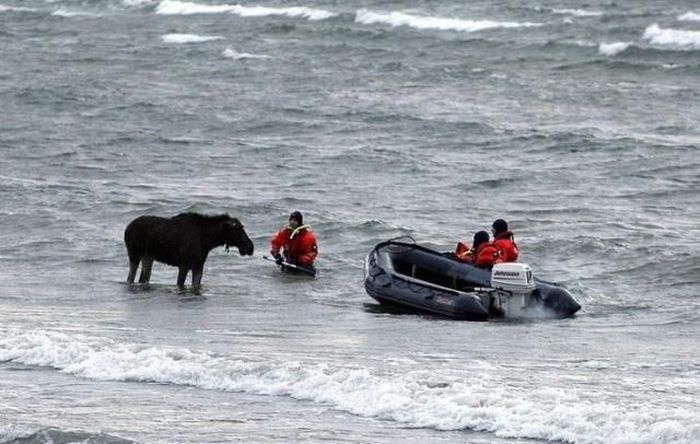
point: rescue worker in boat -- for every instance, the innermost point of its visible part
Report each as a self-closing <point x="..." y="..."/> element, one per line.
<point x="504" y="241"/>
<point x="296" y="243"/>
<point x="483" y="254"/>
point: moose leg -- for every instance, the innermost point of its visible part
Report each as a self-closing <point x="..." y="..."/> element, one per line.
<point x="133" y="266"/>
<point x="146" y="265"/>
<point x="197" y="276"/>
<point x="181" y="276"/>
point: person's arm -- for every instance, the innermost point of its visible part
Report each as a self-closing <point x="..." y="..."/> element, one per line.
<point x="310" y="250"/>
<point x="514" y="252"/>
<point x="488" y="256"/>
<point x="277" y="241"/>
<point x="507" y="250"/>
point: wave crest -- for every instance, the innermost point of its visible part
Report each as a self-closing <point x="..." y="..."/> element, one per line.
<point x="472" y="397"/>
<point x="235" y="55"/>
<point x="577" y="12"/>
<point x="175" y="7"/>
<point x="69" y="13"/>
<point x="189" y="38"/>
<point x="611" y="49"/>
<point x="674" y="39"/>
<point x="689" y="16"/>
<point x="4" y="8"/>
<point x="395" y="19"/>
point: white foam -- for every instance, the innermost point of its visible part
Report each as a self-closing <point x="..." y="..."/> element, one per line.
<point x="4" y="8"/>
<point x="577" y="12"/>
<point x="66" y="13"/>
<point x="394" y="19"/>
<point x="611" y="49"/>
<point x="188" y="38"/>
<point x="466" y="397"/>
<point x="689" y="16"/>
<point x="673" y="39"/>
<point x="233" y="54"/>
<point x="175" y="7"/>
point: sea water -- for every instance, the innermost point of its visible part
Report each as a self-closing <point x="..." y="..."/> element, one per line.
<point x="577" y="123"/>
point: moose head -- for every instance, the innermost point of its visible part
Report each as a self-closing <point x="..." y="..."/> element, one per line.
<point x="234" y="235"/>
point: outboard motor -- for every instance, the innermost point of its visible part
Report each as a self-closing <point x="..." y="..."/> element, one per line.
<point x="515" y="285"/>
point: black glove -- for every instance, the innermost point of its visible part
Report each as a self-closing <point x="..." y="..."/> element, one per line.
<point x="278" y="259"/>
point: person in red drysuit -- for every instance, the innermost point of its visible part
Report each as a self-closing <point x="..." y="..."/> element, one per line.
<point x="482" y="254"/>
<point x="504" y="241"/>
<point x="296" y="242"/>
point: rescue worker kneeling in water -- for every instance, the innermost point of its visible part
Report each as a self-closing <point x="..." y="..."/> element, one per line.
<point x="482" y="254"/>
<point x="296" y="241"/>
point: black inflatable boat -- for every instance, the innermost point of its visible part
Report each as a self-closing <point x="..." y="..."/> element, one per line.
<point x="418" y="278"/>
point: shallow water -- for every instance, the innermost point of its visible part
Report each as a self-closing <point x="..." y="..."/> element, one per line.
<point x="577" y="125"/>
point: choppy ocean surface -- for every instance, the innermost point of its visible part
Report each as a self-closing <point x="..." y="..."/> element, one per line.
<point x="578" y="123"/>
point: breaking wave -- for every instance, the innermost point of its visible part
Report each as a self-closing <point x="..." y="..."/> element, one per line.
<point x="611" y="49"/>
<point x="577" y="12"/>
<point x="395" y="19"/>
<point x="174" y="7"/>
<point x="472" y="398"/>
<point x="4" y="8"/>
<point x="68" y="13"/>
<point x="674" y="39"/>
<point x="233" y="54"/>
<point x="188" y="38"/>
<point x="689" y="16"/>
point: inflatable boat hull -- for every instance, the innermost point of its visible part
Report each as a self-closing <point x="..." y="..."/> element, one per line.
<point x="424" y="280"/>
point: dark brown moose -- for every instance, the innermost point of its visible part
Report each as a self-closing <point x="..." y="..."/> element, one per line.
<point x="183" y="241"/>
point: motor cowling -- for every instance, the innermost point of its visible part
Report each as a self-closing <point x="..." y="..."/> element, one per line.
<point x="515" y="284"/>
<point x="514" y="277"/>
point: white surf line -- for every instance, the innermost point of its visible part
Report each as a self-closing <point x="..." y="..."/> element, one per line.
<point x="176" y="7"/>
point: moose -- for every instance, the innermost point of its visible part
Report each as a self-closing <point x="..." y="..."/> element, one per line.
<point x="183" y="241"/>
